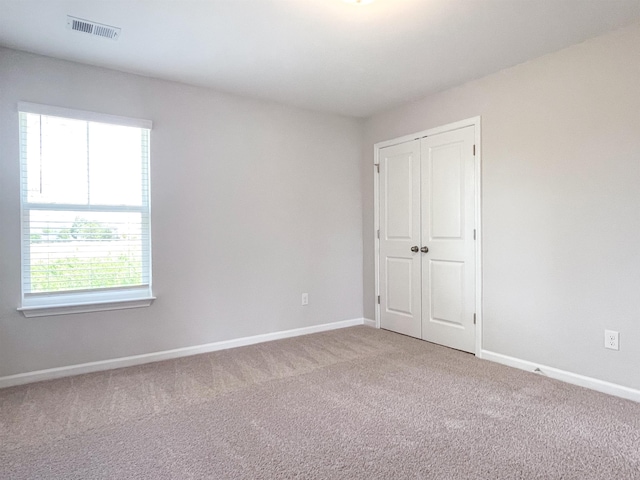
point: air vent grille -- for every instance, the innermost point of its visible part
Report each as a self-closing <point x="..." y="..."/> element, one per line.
<point x="92" y="28"/>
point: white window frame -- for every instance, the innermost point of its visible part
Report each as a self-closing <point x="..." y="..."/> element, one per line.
<point x="61" y="303"/>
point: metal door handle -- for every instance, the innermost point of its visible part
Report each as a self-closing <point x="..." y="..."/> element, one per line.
<point x="424" y="249"/>
<point x="415" y="248"/>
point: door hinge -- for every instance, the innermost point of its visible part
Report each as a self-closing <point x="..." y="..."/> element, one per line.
<point x="378" y="299"/>
<point x="378" y="233"/>
<point x="474" y="318"/>
<point x="474" y="233"/>
<point x="377" y="167"/>
<point x="474" y="150"/>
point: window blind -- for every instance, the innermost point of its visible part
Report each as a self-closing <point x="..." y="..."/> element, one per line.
<point x="85" y="203"/>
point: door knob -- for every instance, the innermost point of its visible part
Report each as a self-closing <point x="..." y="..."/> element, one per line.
<point x="424" y="249"/>
<point x="415" y="248"/>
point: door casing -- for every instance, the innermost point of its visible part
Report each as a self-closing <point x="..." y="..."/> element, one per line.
<point x="475" y="122"/>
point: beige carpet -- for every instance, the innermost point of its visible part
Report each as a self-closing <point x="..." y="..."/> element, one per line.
<point x="356" y="403"/>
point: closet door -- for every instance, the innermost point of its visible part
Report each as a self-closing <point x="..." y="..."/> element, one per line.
<point x="400" y="290"/>
<point x="448" y="210"/>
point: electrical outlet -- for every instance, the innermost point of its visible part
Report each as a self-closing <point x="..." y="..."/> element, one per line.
<point x="305" y="299"/>
<point x="611" y="340"/>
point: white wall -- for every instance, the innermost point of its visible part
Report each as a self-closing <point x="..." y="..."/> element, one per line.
<point x="252" y="204"/>
<point x="561" y="203"/>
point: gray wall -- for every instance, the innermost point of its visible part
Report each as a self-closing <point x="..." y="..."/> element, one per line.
<point x="561" y="203"/>
<point x="252" y="204"/>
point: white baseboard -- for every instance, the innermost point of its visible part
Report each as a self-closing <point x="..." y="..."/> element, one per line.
<point x="563" y="375"/>
<point x="368" y="322"/>
<point x="52" y="373"/>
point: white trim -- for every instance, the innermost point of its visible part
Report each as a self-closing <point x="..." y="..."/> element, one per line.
<point x="66" y="309"/>
<point x="369" y="323"/>
<point x="52" y="373"/>
<point x="431" y="131"/>
<point x="478" y="218"/>
<point x="562" y="375"/>
<point x="476" y="123"/>
<point x="52" y="111"/>
<point x="376" y="229"/>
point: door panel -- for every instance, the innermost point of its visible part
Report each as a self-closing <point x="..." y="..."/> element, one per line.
<point x="447" y="292"/>
<point x="400" y="269"/>
<point x="399" y="196"/>
<point x="399" y="272"/>
<point x="446" y="184"/>
<point x="448" y="269"/>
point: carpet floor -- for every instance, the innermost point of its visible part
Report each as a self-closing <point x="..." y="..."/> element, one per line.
<point x="356" y="403"/>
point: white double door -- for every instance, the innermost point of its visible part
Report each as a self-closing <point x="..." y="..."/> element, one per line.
<point x="427" y="244"/>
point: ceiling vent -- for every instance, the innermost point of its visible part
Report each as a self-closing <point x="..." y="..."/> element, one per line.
<point x="92" y="28"/>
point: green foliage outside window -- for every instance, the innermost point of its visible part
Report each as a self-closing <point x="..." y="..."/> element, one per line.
<point x="80" y="273"/>
<point x="73" y="273"/>
<point x="81" y="230"/>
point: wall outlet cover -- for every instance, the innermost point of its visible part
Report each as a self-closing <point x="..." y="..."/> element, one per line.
<point x="611" y="340"/>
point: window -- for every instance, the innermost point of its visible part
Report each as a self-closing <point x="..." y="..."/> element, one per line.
<point x="84" y="189"/>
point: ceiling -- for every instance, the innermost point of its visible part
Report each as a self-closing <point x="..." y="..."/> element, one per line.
<point x="325" y="55"/>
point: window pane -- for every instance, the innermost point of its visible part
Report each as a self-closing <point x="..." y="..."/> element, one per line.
<point x="115" y="166"/>
<point x="85" y="209"/>
<point x="56" y="160"/>
<point x="86" y="250"/>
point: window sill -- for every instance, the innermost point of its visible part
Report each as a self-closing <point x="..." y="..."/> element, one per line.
<point x="67" y="309"/>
